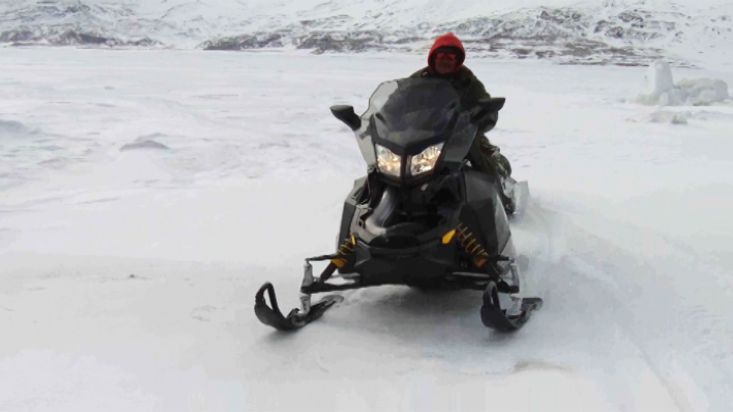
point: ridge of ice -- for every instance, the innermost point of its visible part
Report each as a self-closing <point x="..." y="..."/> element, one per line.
<point x="662" y="90"/>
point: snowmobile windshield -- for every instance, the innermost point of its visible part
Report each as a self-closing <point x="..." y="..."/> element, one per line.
<point x="410" y="115"/>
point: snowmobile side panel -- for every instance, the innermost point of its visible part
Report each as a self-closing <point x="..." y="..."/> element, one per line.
<point x="484" y="212"/>
<point x="347" y="216"/>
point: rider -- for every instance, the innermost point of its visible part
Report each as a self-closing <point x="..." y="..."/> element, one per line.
<point x="445" y="61"/>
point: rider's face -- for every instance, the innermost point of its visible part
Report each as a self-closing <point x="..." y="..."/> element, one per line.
<point x="446" y="62"/>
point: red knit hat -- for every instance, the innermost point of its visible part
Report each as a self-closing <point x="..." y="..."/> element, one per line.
<point x="447" y="41"/>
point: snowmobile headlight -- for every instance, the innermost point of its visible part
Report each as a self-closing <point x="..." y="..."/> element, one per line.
<point x="424" y="161"/>
<point x="388" y="162"/>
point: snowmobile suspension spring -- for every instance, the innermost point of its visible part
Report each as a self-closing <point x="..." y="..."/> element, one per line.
<point x="472" y="246"/>
<point x="345" y="249"/>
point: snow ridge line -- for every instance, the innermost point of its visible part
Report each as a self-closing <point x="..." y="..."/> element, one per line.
<point x="612" y="33"/>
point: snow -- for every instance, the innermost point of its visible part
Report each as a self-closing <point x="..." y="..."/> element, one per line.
<point x="663" y="91"/>
<point x="699" y="92"/>
<point x="624" y="32"/>
<point x="128" y="276"/>
<point x="660" y="78"/>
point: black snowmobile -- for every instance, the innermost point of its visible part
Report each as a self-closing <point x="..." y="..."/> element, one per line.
<point x="422" y="216"/>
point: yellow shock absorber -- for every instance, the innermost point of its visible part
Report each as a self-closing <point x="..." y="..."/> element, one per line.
<point x="346" y="247"/>
<point x="470" y="243"/>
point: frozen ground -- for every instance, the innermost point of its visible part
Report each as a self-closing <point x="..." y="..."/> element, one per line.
<point x="147" y="194"/>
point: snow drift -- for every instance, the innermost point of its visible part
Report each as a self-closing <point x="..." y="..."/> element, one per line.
<point x="663" y="91"/>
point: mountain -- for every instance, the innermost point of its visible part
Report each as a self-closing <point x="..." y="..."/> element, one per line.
<point x="616" y="32"/>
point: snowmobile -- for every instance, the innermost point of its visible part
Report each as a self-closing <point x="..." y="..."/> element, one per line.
<point x="422" y="216"/>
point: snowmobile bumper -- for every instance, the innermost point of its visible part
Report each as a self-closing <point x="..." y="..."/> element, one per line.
<point x="426" y="263"/>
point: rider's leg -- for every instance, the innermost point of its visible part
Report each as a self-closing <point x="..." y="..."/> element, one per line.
<point x="488" y="158"/>
<point x="498" y="163"/>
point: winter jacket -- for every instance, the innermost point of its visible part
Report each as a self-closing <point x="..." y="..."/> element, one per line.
<point x="468" y="86"/>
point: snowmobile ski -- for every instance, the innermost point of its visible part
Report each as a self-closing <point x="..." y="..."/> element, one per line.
<point x="308" y="312"/>
<point x="506" y="313"/>
<point x="297" y="318"/>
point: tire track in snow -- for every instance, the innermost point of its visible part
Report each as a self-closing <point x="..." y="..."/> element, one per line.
<point x="657" y="306"/>
<point x="565" y="275"/>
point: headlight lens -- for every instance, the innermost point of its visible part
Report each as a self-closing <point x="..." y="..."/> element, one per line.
<point x="388" y="162"/>
<point x="425" y="160"/>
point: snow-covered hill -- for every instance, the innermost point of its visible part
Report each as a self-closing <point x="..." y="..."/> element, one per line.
<point x="613" y="31"/>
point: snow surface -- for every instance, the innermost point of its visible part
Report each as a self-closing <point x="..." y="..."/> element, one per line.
<point x="146" y="195"/>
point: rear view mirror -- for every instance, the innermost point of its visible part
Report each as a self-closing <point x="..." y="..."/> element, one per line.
<point x="486" y="113"/>
<point x="346" y="114"/>
<point x="492" y="104"/>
